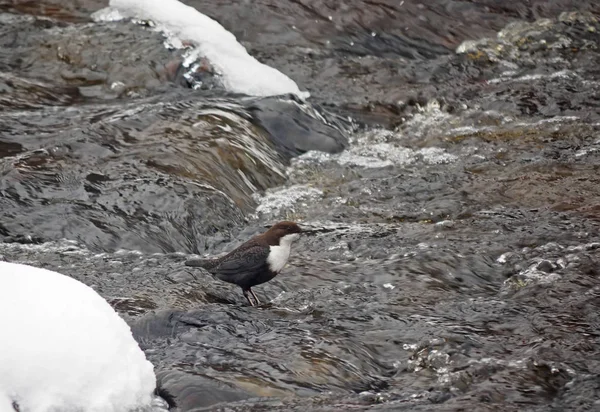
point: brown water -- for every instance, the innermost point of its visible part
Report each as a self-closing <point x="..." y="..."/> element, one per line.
<point x="456" y="254"/>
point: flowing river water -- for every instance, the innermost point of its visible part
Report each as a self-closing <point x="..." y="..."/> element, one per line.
<point x="447" y="162"/>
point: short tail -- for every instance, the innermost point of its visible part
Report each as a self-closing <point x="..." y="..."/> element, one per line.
<point x="206" y="264"/>
<point x="199" y="263"/>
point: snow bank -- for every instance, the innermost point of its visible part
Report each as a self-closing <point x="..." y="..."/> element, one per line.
<point x="64" y="348"/>
<point x="240" y="72"/>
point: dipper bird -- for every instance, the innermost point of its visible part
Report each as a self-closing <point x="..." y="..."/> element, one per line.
<point x="257" y="261"/>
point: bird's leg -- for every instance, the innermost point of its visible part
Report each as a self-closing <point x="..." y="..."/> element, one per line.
<point x="245" y="291"/>
<point x="255" y="298"/>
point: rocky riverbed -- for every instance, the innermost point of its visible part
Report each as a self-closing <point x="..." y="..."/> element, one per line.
<point x="447" y="160"/>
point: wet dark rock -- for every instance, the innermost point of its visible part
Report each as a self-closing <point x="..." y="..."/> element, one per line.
<point x="181" y="276"/>
<point x="199" y="75"/>
<point x="54" y="11"/>
<point x="372" y="43"/>
<point x="9" y="149"/>
<point x="69" y="57"/>
<point x="546" y="266"/>
<point x="188" y="392"/>
<point x="294" y="128"/>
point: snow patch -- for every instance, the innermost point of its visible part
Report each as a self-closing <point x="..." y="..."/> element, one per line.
<point x="67" y="349"/>
<point x="181" y="24"/>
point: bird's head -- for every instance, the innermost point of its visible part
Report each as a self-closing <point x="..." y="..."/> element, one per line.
<point x="283" y="232"/>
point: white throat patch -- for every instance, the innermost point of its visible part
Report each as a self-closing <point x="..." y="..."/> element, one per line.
<point x="279" y="255"/>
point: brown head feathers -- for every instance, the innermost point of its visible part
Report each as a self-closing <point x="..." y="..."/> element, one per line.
<point x="279" y="230"/>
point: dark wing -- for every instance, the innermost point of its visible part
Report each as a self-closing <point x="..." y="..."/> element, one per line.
<point x="207" y="264"/>
<point x="212" y="264"/>
<point x="244" y="266"/>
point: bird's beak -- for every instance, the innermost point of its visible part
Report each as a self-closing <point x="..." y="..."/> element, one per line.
<point x="313" y="231"/>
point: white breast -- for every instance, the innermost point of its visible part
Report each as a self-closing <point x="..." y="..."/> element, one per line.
<point x="279" y="255"/>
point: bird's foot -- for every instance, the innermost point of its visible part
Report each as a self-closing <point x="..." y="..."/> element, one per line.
<point x="245" y="291"/>
<point x="255" y="298"/>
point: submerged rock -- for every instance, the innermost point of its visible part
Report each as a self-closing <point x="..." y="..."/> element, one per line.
<point x="191" y="392"/>
<point x="451" y="261"/>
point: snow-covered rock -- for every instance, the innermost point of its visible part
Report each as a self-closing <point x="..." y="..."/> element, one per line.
<point x="240" y="72"/>
<point x="64" y="348"/>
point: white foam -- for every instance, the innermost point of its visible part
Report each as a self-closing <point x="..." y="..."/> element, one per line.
<point x="285" y="198"/>
<point x="63" y="246"/>
<point x="66" y="348"/>
<point x="370" y="150"/>
<point x="241" y="73"/>
<point x="428" y="120"/>
<point x="385" y="154"/>
<point x="563" y="74"/>
<point x="436" y="155"/>
<point x="503" y="258"/>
